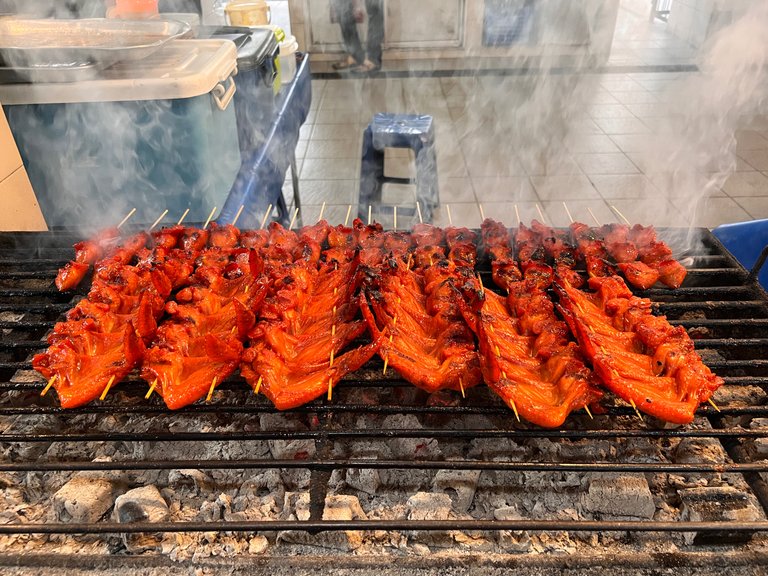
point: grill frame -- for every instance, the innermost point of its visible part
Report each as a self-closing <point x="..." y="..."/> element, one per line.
<point x="33" y="258"/>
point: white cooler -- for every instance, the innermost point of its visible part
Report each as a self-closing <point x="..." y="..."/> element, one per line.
<point x="155" y="134"/>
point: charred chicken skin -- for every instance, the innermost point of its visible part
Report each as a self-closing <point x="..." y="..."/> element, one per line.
<point x="639" y="357"/>
<point x="296" y="351"/>
<point x="524" y="353"/>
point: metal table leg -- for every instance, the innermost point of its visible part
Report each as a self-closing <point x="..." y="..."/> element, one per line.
<point x="295" y="182"/>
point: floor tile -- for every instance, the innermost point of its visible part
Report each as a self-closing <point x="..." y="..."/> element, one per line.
<point x="462" y="214"/>
<point x="456" y="190"/>
<point x="636" y="97"/>
<point x="756" y="207"/>
<point x="610" y="163"/>
<point x="758" y="159"/>
<point x="633" y="142"/>
<point x="624" y="186"/>
<point x="609" y="111"/>
<point x="564" y="187"/>
<point x="590" y="144"/>
<point x="336" y="132"/>
<point x="330" y="169"/>
<point x="544" y="164"/>
<point x="329" y="191"/>
<point x="750" y="140"/>
<point x="503" y="189"/>
<point x="746" y="184"/>
<point x="334" y="149"/>
<point x="712" y="212"/>
<point x="622" y="126"/>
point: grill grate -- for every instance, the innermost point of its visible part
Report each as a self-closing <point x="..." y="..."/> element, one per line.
<point x="721" y="305"/>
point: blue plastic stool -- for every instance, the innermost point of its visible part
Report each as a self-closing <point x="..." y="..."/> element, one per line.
<point x="413" y="131"/>
<point x="746" y="241"/>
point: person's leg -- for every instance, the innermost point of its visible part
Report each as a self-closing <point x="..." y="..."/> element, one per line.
<point x="349" y="31"/>
<point x="375" y="10"/>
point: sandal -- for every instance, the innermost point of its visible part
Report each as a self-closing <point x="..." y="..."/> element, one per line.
<point x="346" y="64"/>
<point x="366" y="67"/>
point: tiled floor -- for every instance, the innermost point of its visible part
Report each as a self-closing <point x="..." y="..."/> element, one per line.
<point x="597" y="144"/>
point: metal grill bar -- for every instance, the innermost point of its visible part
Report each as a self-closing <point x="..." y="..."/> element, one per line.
<point x="726" y="313"/>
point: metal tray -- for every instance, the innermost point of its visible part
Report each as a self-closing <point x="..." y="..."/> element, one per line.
<point x="53" y="43"/>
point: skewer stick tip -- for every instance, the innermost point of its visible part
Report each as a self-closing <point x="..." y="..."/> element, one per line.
<point x="330" y="388"/>
<point x="158" y="220"/>
<point x="394" y="212"/>
<point x="448" y="210"/>
<point x="589" y="413"/>
<point x="293" y="220"/>
<point x="346" y="219"/>
<point x="482" y="212"/>
<point x="597" y="222"/>
<point x="182" y="217"/>
<point x="517" y="215"/>
<point x="634" y="407"/>
<point x="541" y="213"/>
<point x="211" y="389"/>
<point x="715" y="406"/>
<point x="620" y="215"/>
<point x="266" y="217"/>
<point x="124" y="220"/>
<point x="48" y="386"/>
<point x="568" y="212"/>
<point x="369" y="214"/>
<point x="258" y="386"/>
<point x="106" y="388"/>
<point x="514" y="409"/>
<point x="386" y="363"/>
<point x="151" y="389"/>
<point x="461" y="387"/>
<point x="322" y="211"/>
<point x="210" y="217"/>
<point x="237" y="216"/>
<point x="418" y="211"/>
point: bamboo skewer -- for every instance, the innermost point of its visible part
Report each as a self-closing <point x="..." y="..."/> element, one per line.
<point x="124" y="220"/>
<point x="182" y="217"/>
<point x="346" y="218"/>
<point x="158" y="220"/>
<point x="293" y="220"/>
<point x="620" y="215"/>
<point x="394" y="212"/>
<point x="258" y="386"/>
<point x="482" y="212"/>
<point x="418" y="211"/>
<point x="48" y="386"/>
<point x="330" y="387"/>
<point x="713" y="404"/>
<point x="568" y="212"/>
<point x="151" y="389"/>
<point x="448" y="210"/>
<point x="237" y="216"/>
<point x="369" y="214"/>
<point x="211" y="389"/>
<point x="541" y="214"/>
<point x="461" y="387"/>
<point x="106" y="388"/>
<point x="517" y="215"/>
<point x="593" y="216"/>
<point x="266" y="216"/>
<point x="586" y="408"/>
<point x="210" y="217"/>
<point x="322" y="211"/>
<point x="634" y="407"/>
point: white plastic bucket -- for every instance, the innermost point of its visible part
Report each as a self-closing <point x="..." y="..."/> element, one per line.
<point x="288" y="49"/>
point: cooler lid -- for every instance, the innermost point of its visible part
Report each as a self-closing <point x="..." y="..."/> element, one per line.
<point x="181" y="69"/>
<point x="254" y="45"/>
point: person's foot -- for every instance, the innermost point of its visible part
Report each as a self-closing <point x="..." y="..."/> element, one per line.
<point x="345" y="64"/>
<point x="366" y="67"/>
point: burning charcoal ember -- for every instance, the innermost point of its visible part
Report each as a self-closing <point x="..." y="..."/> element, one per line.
<point x="364" y="479"/>
<point x="693" y="450"/>
<point x="626" y="496"/>
<point x="337" y="508"/>
<point x="83" y="500"/>
<point x="426" y="448"/>
<point x="718" y="504"/>
<point x="760" y="445"/>
<point x="460" y="485"/>
<point x="299" y="449"/>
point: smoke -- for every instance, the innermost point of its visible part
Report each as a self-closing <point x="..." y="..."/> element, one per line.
<point x="695" y="152"/>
